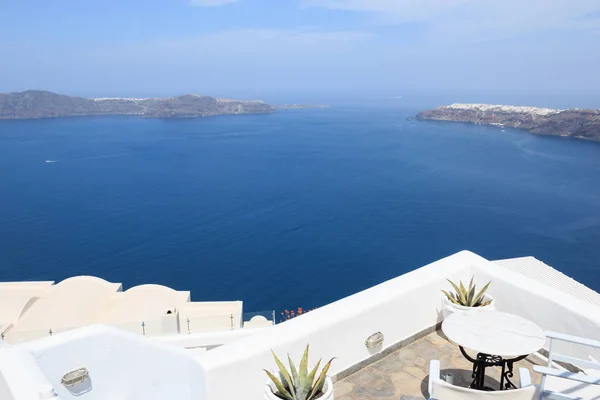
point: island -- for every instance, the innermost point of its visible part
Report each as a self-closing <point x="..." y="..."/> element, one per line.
<point x="42" y="104"/>
<point x="575" y="123"/>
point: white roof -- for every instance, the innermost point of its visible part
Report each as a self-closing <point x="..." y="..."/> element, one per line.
<point x="541" y="272"/>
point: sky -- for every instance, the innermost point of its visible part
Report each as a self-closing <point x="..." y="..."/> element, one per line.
<point x="528" y="51"/>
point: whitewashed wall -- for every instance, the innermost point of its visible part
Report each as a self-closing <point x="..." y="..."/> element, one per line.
<point x="398" y="308"/>
<point x="121" y="365"/>
<point x="209" y="339"/>
<point x="20" y="376"/>
<point x="5" y="392"/>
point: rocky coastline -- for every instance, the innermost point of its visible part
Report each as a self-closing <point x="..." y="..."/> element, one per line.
<point x="33" y="104"/>
<point x="575" y="123"/>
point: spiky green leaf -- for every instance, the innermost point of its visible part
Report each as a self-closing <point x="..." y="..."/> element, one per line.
<point x="450" y="297"/>
<point x="303" y="386"/>
<point x="463" y="289"/>
<point x="285" y="375"/>
<point x="471" y="295"/>
<point x="311" y="376"/>
<point x="459" y="297"/>
<point x="480" y="295"/>
<point x="281" y="390"/>
<point x="318" y="387"/>
<point x="293" y="370"/>
<point x="468" y="297"/>
<point x="303" y="370"/>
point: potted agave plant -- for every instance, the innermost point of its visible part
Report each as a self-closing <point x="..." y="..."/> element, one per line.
<point x="299" y="384"/>
<point x="467" y="299"/>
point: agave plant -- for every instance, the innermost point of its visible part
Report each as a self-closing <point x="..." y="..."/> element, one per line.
<point x="467" y="296"/>
<point x="299" y="384"/>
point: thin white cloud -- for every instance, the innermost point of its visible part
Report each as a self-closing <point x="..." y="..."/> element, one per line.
<point x="477" y="19"/>
<point x="249" y="45"/>
<point x="267" y="40"/>
<point x="211" y="3"/>
<point x="404" y="9"/>
<point x="228" y="60"/>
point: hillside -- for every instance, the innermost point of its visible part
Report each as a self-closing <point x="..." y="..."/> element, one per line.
<point x="576" y="123"/>
<point x="43" y="104"/>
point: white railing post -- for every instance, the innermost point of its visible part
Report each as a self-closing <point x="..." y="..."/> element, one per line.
<point x="549" y="366"/>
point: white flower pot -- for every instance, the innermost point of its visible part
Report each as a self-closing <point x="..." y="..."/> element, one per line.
<point x="448" y="307"/>
<point x="327" y="391"/>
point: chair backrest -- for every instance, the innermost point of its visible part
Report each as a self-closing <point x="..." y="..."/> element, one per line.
<point x="561" y="377"/>
<point x="442" y="390"/>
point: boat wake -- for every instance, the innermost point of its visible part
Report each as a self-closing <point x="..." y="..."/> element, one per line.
<point x="88" y="158"/>
<point x="101" y="156"/>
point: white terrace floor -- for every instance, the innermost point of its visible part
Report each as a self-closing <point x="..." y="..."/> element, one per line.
<point x="403" y="374"/>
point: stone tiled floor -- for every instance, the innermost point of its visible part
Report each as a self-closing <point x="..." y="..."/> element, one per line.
<point x="403" y="375"/>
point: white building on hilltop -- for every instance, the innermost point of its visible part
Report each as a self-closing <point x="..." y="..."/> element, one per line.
<point x="106" y="363"/>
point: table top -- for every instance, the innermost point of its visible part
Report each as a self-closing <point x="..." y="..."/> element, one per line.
<point x="493" y="332"/>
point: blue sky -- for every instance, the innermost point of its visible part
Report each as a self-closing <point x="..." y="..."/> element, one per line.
<point x="469" y="49"/>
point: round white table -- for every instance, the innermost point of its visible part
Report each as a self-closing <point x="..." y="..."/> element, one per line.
<point x="500" y="339"/>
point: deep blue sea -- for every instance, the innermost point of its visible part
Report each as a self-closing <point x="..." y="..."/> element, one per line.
<point x="294" y="209"/>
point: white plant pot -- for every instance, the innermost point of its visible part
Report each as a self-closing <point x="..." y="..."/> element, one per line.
<point x="448" y="307"/>
<point x="327" y="391"/>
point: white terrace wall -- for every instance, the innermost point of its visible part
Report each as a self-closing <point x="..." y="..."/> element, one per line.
<point x="398" y="308"/>
<point x="20" y="376"/>
<point x="551" y="309"/>
<point x="121" y="365"/>
<point x="209" y="339"/>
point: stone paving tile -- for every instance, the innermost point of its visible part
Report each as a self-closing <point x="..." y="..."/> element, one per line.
<point x="343" y="388"/>
<point x="404" y="373"/>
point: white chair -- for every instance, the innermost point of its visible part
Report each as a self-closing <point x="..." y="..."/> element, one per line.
<point x="560" y="384"/>
<point x="442" y="390"/>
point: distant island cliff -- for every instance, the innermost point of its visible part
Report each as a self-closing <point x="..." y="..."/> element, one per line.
<point x="295" y="106"/>
<point x="43" y="104"/>
<point x="576" y="123"/>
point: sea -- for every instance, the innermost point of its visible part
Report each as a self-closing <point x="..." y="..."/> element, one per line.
<point x="293" y="209"/>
